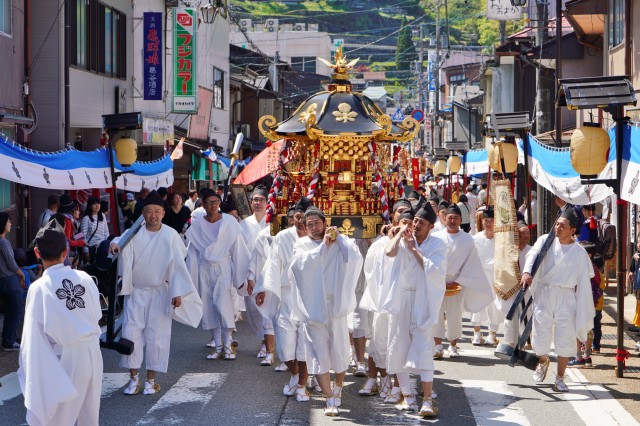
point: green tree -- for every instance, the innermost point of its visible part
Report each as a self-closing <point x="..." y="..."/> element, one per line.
<point x="405" y="50"/>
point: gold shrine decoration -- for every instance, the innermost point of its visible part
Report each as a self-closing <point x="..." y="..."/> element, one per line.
<point x="264" y="125"/>
<point x="344" y="113"/>
<point x="311" y="110"/>
<point x="506" y="270"/>
<point x="346" y="229"/>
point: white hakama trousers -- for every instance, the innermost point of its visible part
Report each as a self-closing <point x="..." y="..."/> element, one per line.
<point x="512" y="328"/>
<point x="328" y="344"/>
<point x="554" y="318"/>
<point x="379" y="339"/>
<point x="452" y="308"/>
<point x="83" y="364"/>
<point x="360" y="323"/>
<point x="147" y="323"/>
<point x="218" y="308"/>
<point x="490" y="315"/>
<point x="258" y="324"/>
<point x="291" y="341"/>
<point x="410" y="348"/>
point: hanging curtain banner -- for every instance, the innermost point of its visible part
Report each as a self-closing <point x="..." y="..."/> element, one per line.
<point x="152" y="60"/>
<point x="415" y="172"/>
<point x="73" y="170"/>
<point x="629" y="190"/>
<point x="551" y="168"/>
<point x="476" y="162"/>
<point x="185" y="86"/>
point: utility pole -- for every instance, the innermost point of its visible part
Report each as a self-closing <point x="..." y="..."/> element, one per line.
<point x="543" y="123"/>
<point x="420" y="72"/>
<point x="558" y="67"/>
<point x="437" y="131"/>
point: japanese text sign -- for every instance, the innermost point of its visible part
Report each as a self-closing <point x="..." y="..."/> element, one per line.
<point x="502" y="10"/>
<point x="152" y="56"/>
<point x="185" y="86"/>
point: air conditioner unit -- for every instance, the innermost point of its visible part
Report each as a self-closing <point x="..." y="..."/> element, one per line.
<point x="245" y="129"/>
<point x="271" y="25"/>
<point x="312" y="27"/>
<point x="300" y="27"/>
<point x="245" y="25"/>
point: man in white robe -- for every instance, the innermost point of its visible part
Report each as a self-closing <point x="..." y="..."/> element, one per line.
<point x="60" y="362"/>
<point x="323" y="274"/>
<point x="360" y="321"/>
<point x="251" y="227"/>
<point x="467" y="285"/>
<point x="413" y="297"/>
<point x="274" y="299"/>
<point x="218" y="261"/>
<point x="373" y="270"/>
<point x="491" y="314"/>
<point x="563" y="307"/>
<point x="442" y="215"/>
<point x="157" y="287"/>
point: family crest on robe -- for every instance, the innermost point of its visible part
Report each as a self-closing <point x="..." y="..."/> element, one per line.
<point x="567" y="269"/>
<point x="320" y="271"/>
<point x="153" y="258"/>
<point x="218" y="262"/>
<point x="464" y="267"/>
<point x="60" y="336"/>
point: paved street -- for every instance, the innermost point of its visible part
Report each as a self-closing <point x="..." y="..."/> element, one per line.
<point x="475" y="389"/>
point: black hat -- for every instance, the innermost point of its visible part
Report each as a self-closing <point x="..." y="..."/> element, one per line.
<point x="454" y="209"/>
<point x="208" y="192"/>
<point x="162" y="191"/>
<point x="414" y="194"/>
<point x="401" y="203"/>
<point x="50" y="239"/>
<point x="153" y="198"/>
<point x="434" y="198"/>
<point x="220" y="187"/>
<point x="443" y="205"/>
<point x="313" y="210"/>
<point x="427" y="213"/>
<point x="487" y="213"/>
<point x="260" y="190"/>
<point x="407" y="214"/>
<point x="302" y="205"/>
<point x="67" y="204"/>
<point x="417" y="205"/>
<point x="570" y="214"/>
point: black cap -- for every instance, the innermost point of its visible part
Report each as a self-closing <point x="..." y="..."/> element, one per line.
<point x="260" y="190"/>
<point x="487" y="213"/>
<point x="154" y="198"/>
<point x="417" y="205"/>
<point x="51" y="240"/>
<point x="407" y="214"/>
<point x="67" y="204"/>
<point x="414" y="194"/>
<point x="571" y="215"/>
<point x="313" y="210"/>
<point x="302" y="205"/>
<point x="401" y="203"/>
<point x="454" y="209"/>
<point x="427" y="213"/>
<point x="443" y="205"/>
<point x="208" y="192"/>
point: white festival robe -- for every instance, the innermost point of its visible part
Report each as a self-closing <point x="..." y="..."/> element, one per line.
<point x="564" y="280"/>
<point x="360" y="320"/>
<point x="261" y="250"/>
<point x="278" y="299"/>
<point x="219" y="265"/>
<point x="413" y="297"/>
<point x="491" y="314"/>
<point x="153" y="273"/>
<point x="370" y="301"/>
<point x="60" y="362"/>
<point x="512" y="327"/>
<point x="250" y="230"/>
<point x="321" y="273"/>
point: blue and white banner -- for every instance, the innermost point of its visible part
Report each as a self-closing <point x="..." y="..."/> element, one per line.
<point x="476" y="162"/>
<point x="224" y="163"/>
<point x="629" y="190"/>
<point x="551" y="168"/>
<point x="74" y="170"/>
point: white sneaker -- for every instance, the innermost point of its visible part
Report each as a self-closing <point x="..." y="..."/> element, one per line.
<point x="452" y="352"/>
<point x="302" y="394"/>
<point x="394" y="396"/>
<point x="428" y="409"/>
<point x="361" y="370"/>
<point x="262" y="352"/>
<point x="370" y="388"/>
<point x="478" y="340"/>
<point x="337" y="395"/>
<point x="134" y="387"/>
<point x="150" y="388"/>
<point x="281" y="368"/>
<point x="267" y="360"/>
<point x="331" y="409"/>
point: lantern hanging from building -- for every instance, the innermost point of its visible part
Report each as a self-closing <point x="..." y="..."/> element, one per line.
<point x="509" y="152"/>
<point x="440" y="168"/>
<point x="589" y="150"/>
<point x="454" y="163"/>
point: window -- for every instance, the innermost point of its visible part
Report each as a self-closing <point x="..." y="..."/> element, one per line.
<point x="304" y="63"/>
<point x="101" y="37"/>
<point x="616" y="22"/>
<point x="218" y="88"/>
<point x="5" y="17"/>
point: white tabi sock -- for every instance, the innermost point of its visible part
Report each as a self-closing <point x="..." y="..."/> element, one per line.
<point x="217" y="336"/>
<point x="293" y="381"/>
<point x="226" y="336"/>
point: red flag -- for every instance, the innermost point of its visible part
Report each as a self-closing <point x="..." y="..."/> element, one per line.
<point x="415" y="172"/>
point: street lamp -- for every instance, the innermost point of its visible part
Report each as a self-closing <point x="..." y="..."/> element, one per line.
<point x="612" y="94"/>
<point x="212" y="9"/>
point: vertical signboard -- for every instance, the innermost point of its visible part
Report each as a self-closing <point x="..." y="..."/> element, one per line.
<point x="199" y="123"/>
<point x="152" y="62"/>
<point x="502" y="10"/>
<point x="185" y="86"/>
